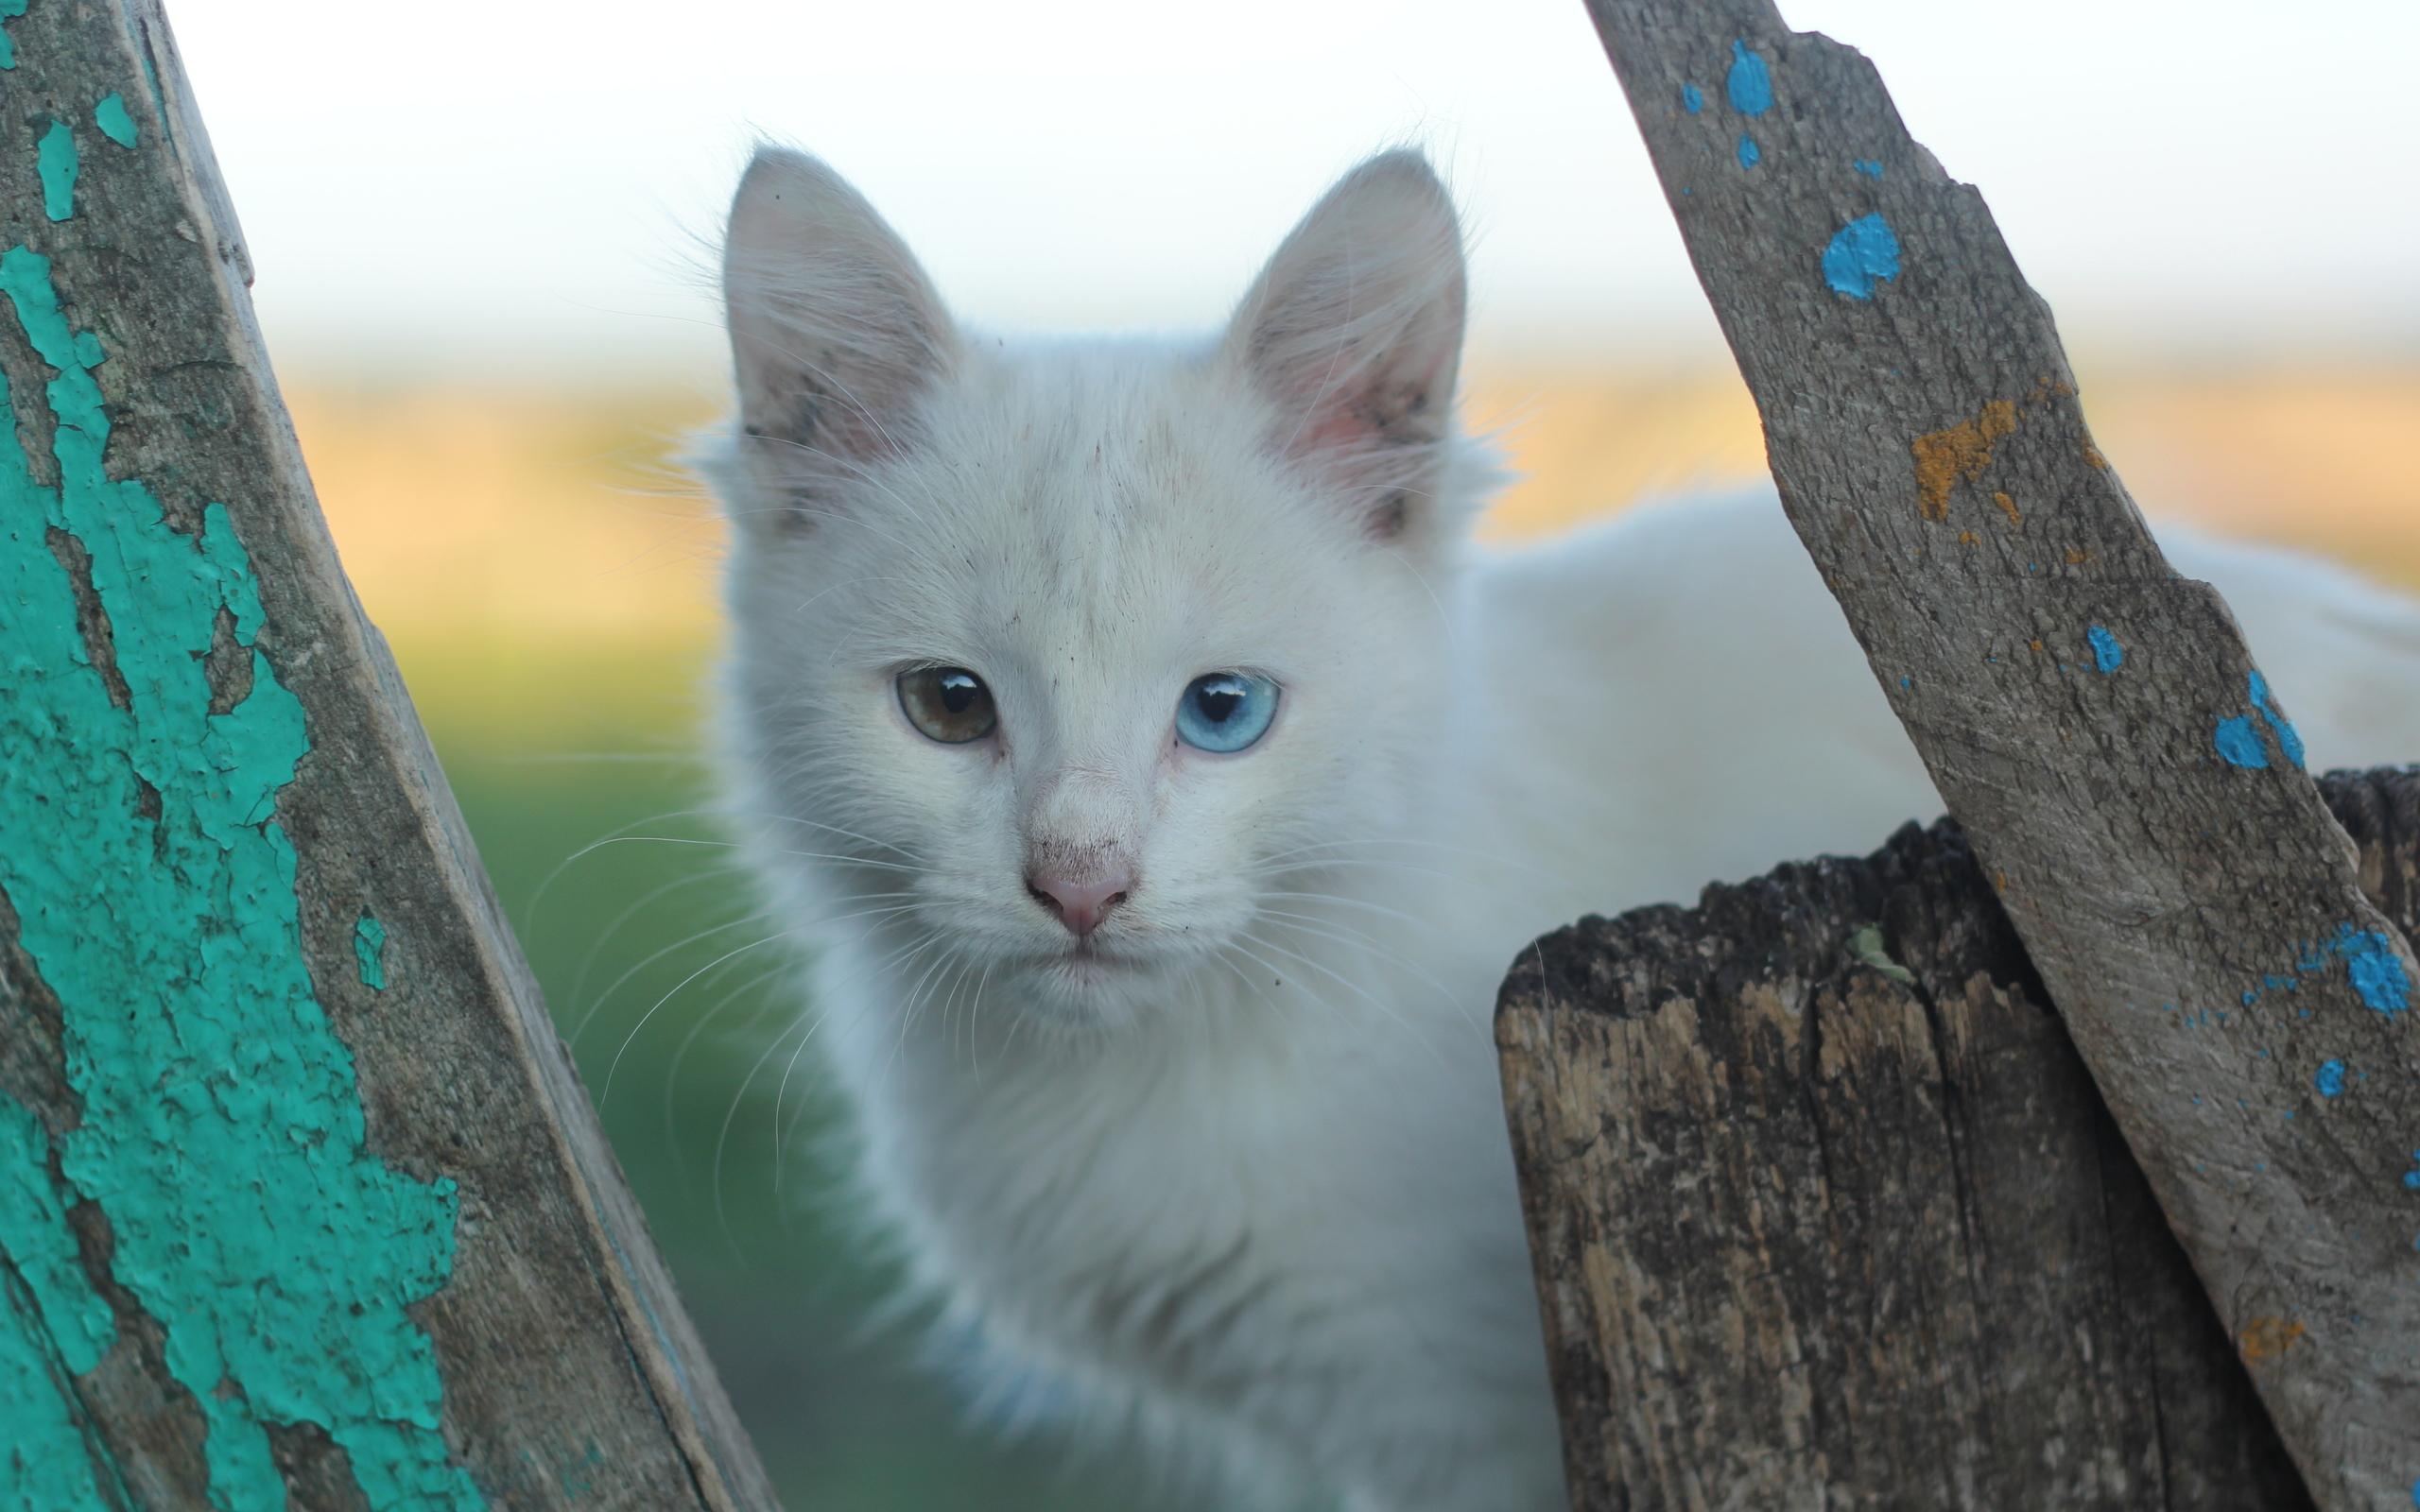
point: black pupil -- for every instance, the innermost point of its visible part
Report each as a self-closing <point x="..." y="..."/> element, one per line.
<point x="959" y="690"/>
<point x="1219" y="701"/>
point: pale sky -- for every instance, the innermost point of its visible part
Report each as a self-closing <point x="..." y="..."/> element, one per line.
<point x="515" y="185"/>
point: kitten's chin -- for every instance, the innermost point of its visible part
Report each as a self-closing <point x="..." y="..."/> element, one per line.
<point x="1089" y="986"/>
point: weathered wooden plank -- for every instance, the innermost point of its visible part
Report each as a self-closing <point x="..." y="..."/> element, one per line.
<point x="1826" y="1213"/>
<point x="301" y="1201"/>
<point x="2128" y="778"/>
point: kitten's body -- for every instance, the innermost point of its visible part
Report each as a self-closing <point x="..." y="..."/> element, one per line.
<point x="1233" y="1165"/>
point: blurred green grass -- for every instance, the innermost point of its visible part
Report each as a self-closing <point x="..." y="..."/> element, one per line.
<point x="575" y="769"/>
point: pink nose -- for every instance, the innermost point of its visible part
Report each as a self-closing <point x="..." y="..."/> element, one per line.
<point x="1081" y="906"/>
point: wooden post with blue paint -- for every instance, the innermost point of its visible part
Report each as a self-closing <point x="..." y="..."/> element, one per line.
<point x="301" y="1201"/>
<point x="2133" y="786"/>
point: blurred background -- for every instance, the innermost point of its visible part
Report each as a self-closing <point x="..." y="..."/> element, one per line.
<point x="480" y="233"/>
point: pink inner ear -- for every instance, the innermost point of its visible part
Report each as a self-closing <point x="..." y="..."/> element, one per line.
<point x="1365" y="409"/>
<point x="1335" y="427"/>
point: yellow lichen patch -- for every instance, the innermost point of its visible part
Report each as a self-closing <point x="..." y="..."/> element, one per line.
<point x="2269" y="1337"/>
<point x="2037" y="645"/>
<point x="2092" y="455"/>
<point x="1963" y="451"/>
<point x="1969" y="537"/>
<point x="2008" y="506"/>
<point x="2077" y="559"/>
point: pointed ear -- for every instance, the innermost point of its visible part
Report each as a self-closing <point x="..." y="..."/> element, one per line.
<point x="1355" y="331"/>
<point x="834" y="330"/>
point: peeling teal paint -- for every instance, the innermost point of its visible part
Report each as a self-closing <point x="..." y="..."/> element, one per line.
<point x="41" y="1247"/>
<point x="54" y="1327"/>
<point x="43" y="1461"/>
<point x="369" y="951"/>
<point x="110" y="116"/>
<point x="55" y="159"/>
<point x="222" y="1133"/>
<point x="10" y="11"/>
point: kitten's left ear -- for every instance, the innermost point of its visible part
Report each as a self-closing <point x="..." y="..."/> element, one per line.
<point x="1355" y="329"/>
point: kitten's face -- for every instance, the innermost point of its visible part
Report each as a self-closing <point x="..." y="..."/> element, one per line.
<point x="1051" y="548"/>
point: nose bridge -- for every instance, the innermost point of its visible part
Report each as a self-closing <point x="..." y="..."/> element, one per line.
<point x="1083" y="779"/>
<point x="1083" y="803"/>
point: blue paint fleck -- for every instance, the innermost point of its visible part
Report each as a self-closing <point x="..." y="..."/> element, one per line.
<point x="2376" y="972"/>
<point x="55" y="164"/>
<point x="1748" y="153"/>
<point x="1750" y="86"/>
<point x="2411" y="1180"/>
<point x="2239" y="744"/>
<point x="1905" y="684"/>
<point x="115" y="124"/>
<point x="1691" y="100"/>
<point x="1862" y="251"/>
<point x="2287" y="738"/>
<point x="1867" y="166"/>
<point x="370" y="950"/>
<point x="2107" y="653"/>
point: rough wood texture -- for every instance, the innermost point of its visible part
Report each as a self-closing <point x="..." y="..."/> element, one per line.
<point x="301" y="1201"/>
<point x="1806" y="1229"/>
<point x="2131" y="784"/>
<point x="1809" y="1235"/>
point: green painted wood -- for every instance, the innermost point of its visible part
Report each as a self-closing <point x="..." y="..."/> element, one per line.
<point x="301" y="1203"/>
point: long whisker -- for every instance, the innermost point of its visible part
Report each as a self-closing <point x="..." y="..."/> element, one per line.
<point x="672" y="1072"/>
<point x="605" y="1095"/>
<point x="589" y="1013"/>
<point x="605" y="935"/>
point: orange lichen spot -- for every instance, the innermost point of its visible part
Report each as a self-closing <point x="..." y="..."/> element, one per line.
<point x="2037" y="645"/>
<point x="2092" y="455"/>
<point x="2008" y="507"/>
<point x="2063" y="390"/>
<point x="1963" y="451"/>
<point x="1969" y="537"/>
<point x="2269" y="1337"/>
<point x="2000" y="882"/>
<point x="2077" y="559"/>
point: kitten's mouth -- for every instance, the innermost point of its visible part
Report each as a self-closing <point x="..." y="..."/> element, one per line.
<point x="1088" y="962"/>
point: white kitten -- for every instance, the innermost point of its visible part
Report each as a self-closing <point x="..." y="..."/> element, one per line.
<point x="1163" y="786"/>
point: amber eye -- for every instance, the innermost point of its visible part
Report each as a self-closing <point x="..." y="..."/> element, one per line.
<point x="948" y="703"/>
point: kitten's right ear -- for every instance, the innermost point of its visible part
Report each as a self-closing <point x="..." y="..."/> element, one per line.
<point x="834" y="330"/>
<point x="1355" y="329"/>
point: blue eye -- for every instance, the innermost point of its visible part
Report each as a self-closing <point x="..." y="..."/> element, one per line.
<point x="1225" y="711"/>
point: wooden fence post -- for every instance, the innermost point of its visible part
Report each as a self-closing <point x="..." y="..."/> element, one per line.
<point x="1826" y="1212"/>
<point x="2131" y="784"/>
<point x="301" y="1201"/>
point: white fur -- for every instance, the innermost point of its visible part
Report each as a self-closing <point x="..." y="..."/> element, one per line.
<point x="1240" y="1177"/>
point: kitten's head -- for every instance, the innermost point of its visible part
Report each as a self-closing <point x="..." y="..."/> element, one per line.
<point x="1057" y="660"/>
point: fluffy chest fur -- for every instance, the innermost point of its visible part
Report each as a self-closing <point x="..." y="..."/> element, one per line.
<point x="1159" y="788"/>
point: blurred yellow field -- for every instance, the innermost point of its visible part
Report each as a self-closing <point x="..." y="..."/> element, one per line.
<point x="491" y="523"/>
